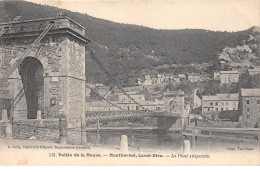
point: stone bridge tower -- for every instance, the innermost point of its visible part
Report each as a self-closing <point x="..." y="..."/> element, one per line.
<point x="52" y="75"/>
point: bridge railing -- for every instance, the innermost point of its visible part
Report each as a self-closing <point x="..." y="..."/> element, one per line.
<point x="94" y="116"/>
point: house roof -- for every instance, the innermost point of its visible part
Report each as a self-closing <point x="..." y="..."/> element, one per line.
<point x="250" y="92"/>
<point x="147" y="77"/>
<point x="257" y="69"/>
<point x="193" y="74"/>
<point x="181" y="76"/>
<point x="233" y="96"/>
<point x="212" y="98"/>
<point x="173" y="93"/>
<point x="221" y="97"/>
<point x="229" y="71"/>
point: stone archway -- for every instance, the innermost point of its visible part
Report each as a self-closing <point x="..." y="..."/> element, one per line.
<point x="31" y="72"/>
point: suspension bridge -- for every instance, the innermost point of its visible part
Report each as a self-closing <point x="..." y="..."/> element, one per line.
<point x="46" y="75"/>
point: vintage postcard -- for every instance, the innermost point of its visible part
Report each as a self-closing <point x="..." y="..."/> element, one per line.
<point x="130" y="82"/>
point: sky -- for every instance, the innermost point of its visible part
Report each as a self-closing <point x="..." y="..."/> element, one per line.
<point x="217" y="15"/>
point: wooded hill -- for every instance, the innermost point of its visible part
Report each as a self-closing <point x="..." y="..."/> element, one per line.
<point x="126" y="50"/>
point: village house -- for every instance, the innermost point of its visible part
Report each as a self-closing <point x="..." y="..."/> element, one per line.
<point x="101" y="105"/>
<point x="193" y="77"/>
<point x="254" y="71"/>
<point x="160" y="78"/>
<point x="227" y="77"/>
<point x="172" y="102"/>
<point x="182" y="77"/>
<point x="204" y="77"/>
<point x="169" y="78"/>
<point x="101" y="89"/>
<point x="219" y="102"/>
<point x="222" y="64"/>
<point x="88" y="89"/>
<point x="216" y="75"/>
<point x="126" y="103"/>
<point x="139" y="81"/>
<point x="147" y="80"/>
<point x="176" y="78"/>
<point x="154" y="105"/>
<point x="250" y="107"/>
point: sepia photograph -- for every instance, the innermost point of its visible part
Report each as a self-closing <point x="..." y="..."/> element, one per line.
<point x="130" y="82"/>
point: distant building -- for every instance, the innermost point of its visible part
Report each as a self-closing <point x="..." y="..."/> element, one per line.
<point x="169" y="78"/>
<point x="154" y="79"/>
<point x="182" y="77"/>
<point x="254" y="71"/>
<point x="139" y="81"/>
<point x="154" y="105"/>
<point x="174" y="101"/>
<point x="88" y="89"/>
<point x="227" y="77"/>
<point x="160" y="78"/>
<point x="250" y="107"/>
<point x="101" y="89"/>
<point x="193" y="77"/>
<point x="222" y="64"/>
<point x="219" y="102"/>
<point x="101" y="105"/>
<point x="124" y="102"/>
<point x="176" y="78"/>
<point x="216" y="75"/>
<point x="147" y="80"/>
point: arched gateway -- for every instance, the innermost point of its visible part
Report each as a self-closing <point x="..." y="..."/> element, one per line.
<point x="44" y="63"/>
<point x="31" y="72"/>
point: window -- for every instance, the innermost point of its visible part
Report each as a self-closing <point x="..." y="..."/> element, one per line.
<point x="247" y="101"/>
<point x="226" y="103"/>
<point x="211" y="104"/>
<point x="247" y="109"/>
<point x="222" y="109"/>
<point x="216" y="103"/>
<point x="248" y="116"/>
<point x="222" y="103"/>
<point x="258" y="101"/>
<point x="216" y="109"/>
<point x="234" y="108"/>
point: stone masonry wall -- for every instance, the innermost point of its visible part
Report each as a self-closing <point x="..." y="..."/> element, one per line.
<point x="250" y="113"/>
<point x="41" y="129"/>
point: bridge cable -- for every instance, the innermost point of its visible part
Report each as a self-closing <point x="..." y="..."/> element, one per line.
<point x="102" y="97"/>
<point x="113" y="80"/>
<point x="27" y="51"/>
<point x="3" y="32"/>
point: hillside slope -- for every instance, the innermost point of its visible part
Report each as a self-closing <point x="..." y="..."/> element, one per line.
<point x="128" y="49"/>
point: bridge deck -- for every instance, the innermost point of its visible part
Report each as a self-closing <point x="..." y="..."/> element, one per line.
<point x="106" y="116"/>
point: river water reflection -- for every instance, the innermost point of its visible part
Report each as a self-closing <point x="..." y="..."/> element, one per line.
<point x="165" y="141"/>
